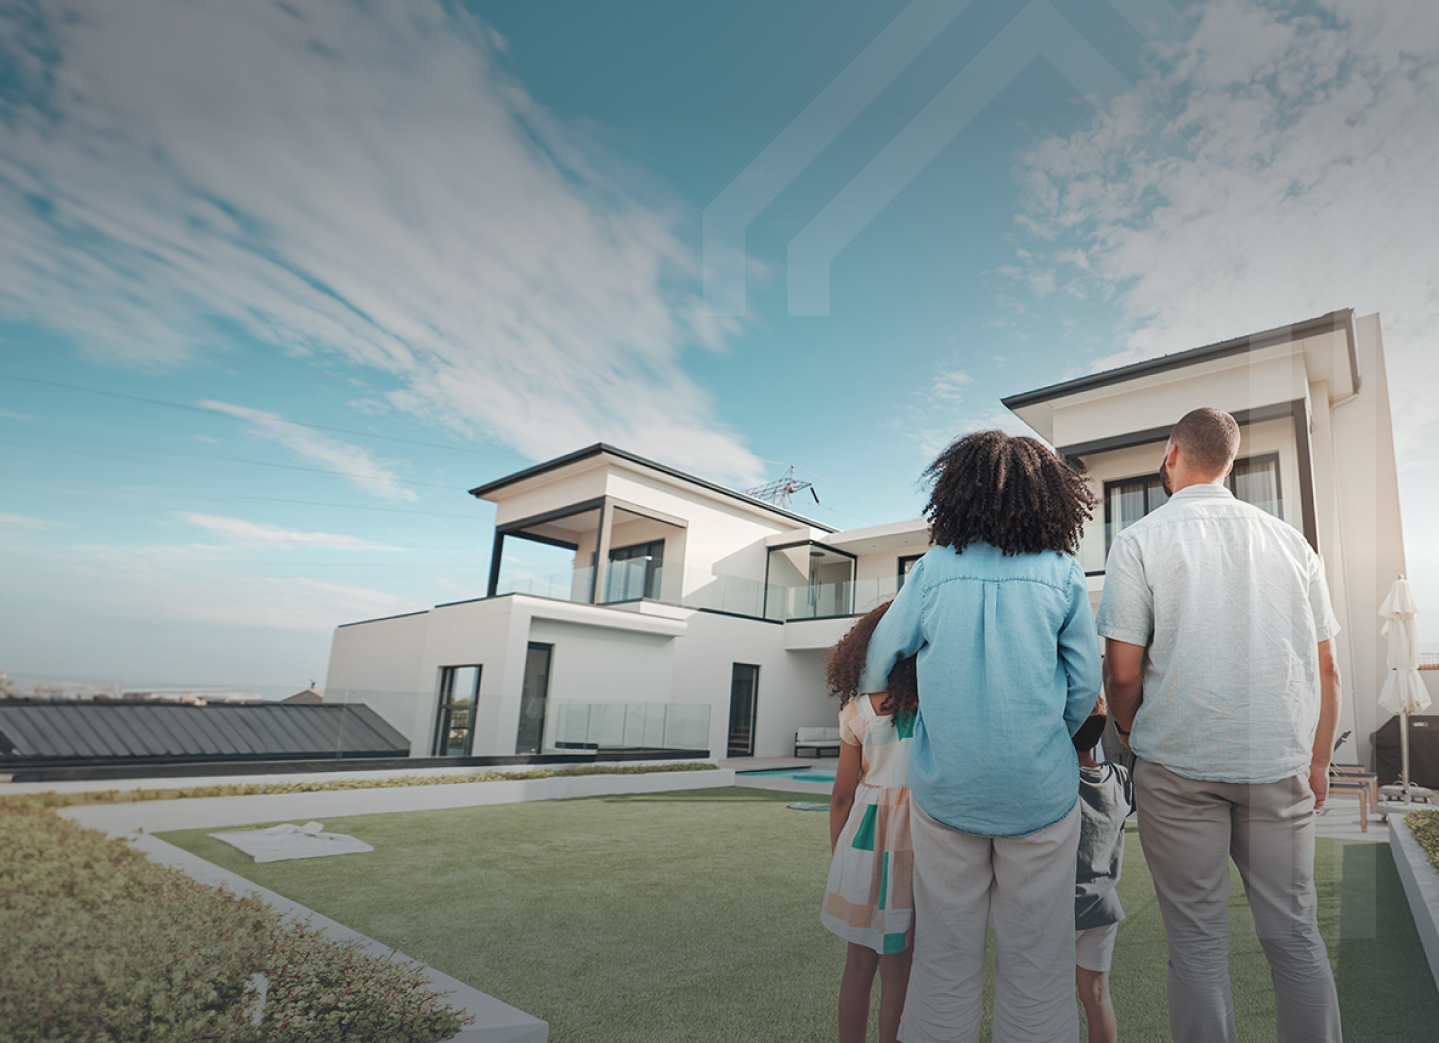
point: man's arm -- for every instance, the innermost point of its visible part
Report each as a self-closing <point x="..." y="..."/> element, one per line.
<point x="1123" y="683"/>
<point x="1330" y="697"/>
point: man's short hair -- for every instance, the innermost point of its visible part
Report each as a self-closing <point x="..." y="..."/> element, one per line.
<point x="1209" y="437"/>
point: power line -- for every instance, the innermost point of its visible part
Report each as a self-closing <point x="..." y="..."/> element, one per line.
<point x="242" y="460"/>
<point x="278" y="419"/>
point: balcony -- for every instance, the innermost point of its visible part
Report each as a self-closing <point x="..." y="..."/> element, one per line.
<point x="674" y="584"/>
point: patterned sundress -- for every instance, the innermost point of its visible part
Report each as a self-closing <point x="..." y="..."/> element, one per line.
<point x="869" y="897"/>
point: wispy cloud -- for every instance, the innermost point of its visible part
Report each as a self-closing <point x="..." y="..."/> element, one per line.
<point x="9" y="415"/>
<point x="256" y="534"/>
<point x="948" y="386"/>
<point x="1279" y="167"/>
<point x="363" y="182"/>
<point x="22" y="521"/>
<point x="348" y="461"/>
<point x="208" y="586"/>
<point x="942" y="410"/>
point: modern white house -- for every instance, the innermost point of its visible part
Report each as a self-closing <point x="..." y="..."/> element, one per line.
<point x="689" y="616"/>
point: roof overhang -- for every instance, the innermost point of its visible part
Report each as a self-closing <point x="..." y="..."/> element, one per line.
<point x="601" y="454"/>
<point x="1326" y="342"/>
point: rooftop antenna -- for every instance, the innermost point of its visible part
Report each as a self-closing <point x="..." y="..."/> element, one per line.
<point x="779" y="493"/>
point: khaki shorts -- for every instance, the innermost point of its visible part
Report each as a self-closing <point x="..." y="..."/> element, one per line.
<point x="1094" y="948"/>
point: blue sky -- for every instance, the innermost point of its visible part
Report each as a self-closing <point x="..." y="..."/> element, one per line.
<point x="278" y="283"/>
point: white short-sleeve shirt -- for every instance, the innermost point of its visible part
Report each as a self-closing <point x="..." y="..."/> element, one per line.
<point x="1231" y="604"/>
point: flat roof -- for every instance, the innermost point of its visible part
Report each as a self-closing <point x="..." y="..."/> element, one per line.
<point x="605" y="449"/>
<point x="1335" y="320"/>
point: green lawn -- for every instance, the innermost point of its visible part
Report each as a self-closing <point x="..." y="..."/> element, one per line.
<point x="693" y="916"/>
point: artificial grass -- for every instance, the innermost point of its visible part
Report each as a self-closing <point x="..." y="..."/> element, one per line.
<point x="693" y="916"/>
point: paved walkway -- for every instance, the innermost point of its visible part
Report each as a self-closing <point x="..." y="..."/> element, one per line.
<point x="1339" y="820"/>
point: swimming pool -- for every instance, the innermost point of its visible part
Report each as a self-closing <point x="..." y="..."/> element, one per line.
<point x="797" y="774"/>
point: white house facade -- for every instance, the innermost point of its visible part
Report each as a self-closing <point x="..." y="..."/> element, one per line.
<point x="694" y="617"/>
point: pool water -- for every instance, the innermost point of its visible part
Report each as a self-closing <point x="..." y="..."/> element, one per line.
<point x="798" y="774"/>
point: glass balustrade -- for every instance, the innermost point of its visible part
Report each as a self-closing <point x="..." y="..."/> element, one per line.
<point x="653" y="726"/>
<point x="675" y="584"/>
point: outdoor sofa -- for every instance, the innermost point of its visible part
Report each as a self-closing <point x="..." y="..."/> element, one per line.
<point x="817" y="739"/>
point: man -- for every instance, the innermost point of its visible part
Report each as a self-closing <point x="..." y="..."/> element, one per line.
<point x="1220" y="674"/>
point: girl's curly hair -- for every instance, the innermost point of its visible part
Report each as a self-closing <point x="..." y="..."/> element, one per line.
<point x="1013" y="493"/>
<point x="846" y="662"/>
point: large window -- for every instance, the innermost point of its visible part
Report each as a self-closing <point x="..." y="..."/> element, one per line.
<point x="808" y="581"/>
<point x="1253" y="479"/>
<point x="455" y="725"/>
<point x="634" y="572"/>
<point x="743" y="701"/>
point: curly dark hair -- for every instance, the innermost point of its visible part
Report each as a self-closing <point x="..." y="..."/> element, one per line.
<point x="846" y="662"/>
<point x="1011" y="492"/>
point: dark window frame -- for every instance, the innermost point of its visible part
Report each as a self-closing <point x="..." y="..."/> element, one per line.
<point x="447" y="706"/>
<point x="901" y="572"/>
<point x="652" y="573"/>
<point x="735" y="675"/>
<point x="1152" y="480"/>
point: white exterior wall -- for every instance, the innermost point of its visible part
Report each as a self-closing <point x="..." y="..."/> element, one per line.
<point x="720" y="539"/>
<point x="1246" y="381"/>
<point x="1361" y="501"/>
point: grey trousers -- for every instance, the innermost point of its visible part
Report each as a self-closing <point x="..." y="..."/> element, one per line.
<point x="1190" y="829"/>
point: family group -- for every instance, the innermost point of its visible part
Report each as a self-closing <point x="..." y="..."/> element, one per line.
<point x="968" y="796"/>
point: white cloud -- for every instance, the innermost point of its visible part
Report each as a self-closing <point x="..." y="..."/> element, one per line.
<point x="8" y="415"/>
<point x="348" y="461"/>
<point x="21" y="521"/>
<point x="256" y="534"/>
<point x="947" y="386"/>
<point x="362" y="182"/>
<point x="1281" y="166"/>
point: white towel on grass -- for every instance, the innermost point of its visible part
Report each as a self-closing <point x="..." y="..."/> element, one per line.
<point x="287" y="841"/>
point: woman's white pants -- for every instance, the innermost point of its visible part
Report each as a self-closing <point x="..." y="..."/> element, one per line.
<point x="1027" y="885"/>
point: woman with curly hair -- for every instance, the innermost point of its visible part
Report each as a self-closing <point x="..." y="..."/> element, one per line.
<point x="997" y="614"/>
<point x="868" y="898"/>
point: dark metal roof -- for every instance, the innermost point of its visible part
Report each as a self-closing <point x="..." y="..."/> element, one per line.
<point x="605" y="449"/>
<point x="31" y="732"/>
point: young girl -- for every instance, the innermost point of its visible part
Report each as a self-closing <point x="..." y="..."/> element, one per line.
<point x="869" y="897"/>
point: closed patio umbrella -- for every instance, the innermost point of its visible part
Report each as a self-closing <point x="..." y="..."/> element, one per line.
<point x="1403" y="692"/>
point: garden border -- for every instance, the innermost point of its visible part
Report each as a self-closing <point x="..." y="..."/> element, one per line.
<point x="495" y="1020"/>
<point x="1421" y="886"/>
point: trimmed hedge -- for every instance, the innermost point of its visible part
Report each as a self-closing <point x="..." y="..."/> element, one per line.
<point x="1424" y="825"/>
<point x="104" y="946"/>
<point x="118" y="796"/>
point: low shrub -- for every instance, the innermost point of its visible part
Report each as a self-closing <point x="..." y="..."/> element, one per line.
<point x="104" y="946"/>
<point x="334" y="991"/>
<point x="316" y="785"/>
<point x="1424" y="825"/>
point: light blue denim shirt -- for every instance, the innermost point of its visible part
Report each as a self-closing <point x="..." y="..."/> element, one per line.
<point x="1230" y="604"/>
<point x="1008" y="671"/>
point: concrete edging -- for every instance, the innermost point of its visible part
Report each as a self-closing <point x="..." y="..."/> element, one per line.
<point x="495" y="1020"/>
<point x="1421" y="886"/>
